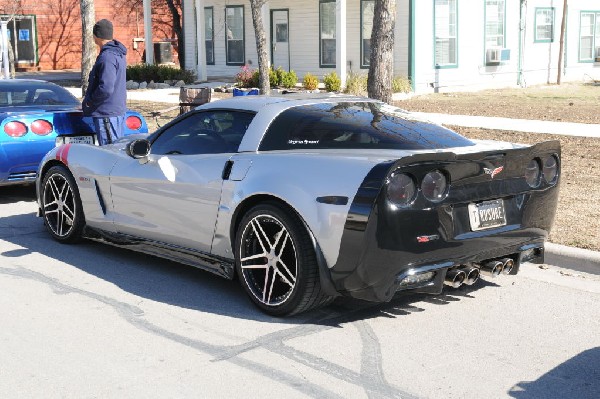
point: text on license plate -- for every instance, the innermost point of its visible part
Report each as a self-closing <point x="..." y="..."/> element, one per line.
<point x="75" y="140"/>
<point x="487" y="214"/>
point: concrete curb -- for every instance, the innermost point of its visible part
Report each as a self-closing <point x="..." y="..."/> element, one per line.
<point x="582" y="260"/>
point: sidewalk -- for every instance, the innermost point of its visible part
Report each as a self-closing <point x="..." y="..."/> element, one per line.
<point x="520" y="125"/>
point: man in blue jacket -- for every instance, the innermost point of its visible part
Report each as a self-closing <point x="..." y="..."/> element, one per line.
<point x="106" y="96"/>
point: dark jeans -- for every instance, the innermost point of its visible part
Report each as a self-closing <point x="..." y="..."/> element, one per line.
<point x="109" y="129"/>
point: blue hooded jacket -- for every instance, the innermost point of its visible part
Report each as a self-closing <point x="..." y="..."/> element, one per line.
<point x="106" y="95"/>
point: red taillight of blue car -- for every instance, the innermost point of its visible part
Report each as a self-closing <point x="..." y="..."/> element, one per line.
<point x="133" y="122"/>
<point x="40" y="127"/>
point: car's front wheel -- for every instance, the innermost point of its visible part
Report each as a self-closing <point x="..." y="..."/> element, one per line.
<point x="276" y="262"/>
<point x="61" y="205"/>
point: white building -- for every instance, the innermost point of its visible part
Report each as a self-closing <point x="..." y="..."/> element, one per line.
<point x="441" y="45"/>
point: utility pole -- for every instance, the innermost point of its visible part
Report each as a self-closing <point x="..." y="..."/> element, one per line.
<point x="4" y="36"/>
<point x="563" y="27"/>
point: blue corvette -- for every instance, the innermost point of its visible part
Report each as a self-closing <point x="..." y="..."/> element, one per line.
<point x="33" y="113"/>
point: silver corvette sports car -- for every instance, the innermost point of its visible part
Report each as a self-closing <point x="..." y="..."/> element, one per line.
<point x="307" y="198"/>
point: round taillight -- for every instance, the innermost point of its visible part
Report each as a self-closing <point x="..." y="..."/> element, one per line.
<point x="401" y="189"/>
<point x="133" y="122"/>
<point x="15" y="129"/>
<point x="550" y="169"/>
<point x="434" y="186"/>
<point x="41" y="127"/>
<point x="532" y="173"/>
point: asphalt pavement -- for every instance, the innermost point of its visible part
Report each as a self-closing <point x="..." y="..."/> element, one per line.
<point x="570" y="257"/>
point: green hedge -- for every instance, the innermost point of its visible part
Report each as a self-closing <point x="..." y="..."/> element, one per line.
<point x="158" y="73"/>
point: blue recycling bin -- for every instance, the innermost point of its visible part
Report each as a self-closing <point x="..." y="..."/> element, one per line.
<point x="238" y="92"/>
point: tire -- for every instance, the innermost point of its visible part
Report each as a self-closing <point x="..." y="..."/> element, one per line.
<point x="61" y="205"/>
<point x="276" y="263"/>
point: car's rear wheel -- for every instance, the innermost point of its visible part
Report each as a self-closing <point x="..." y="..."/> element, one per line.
<point x="61" y="205"/>
<point x="276" y="261"/>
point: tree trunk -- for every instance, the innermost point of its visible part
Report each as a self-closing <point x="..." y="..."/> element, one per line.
<point x="381" y="70"/>
<point x="261" y="46"/>
<point x="88" y="47"/>
<point x="562" y="43"/>
<point x="11" y="60"/>
<point x="178" y="32"/>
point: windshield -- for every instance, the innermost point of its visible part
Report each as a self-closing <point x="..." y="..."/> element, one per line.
<point x="364" y="125"/>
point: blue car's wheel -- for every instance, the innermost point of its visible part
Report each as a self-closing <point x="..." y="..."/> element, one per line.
<point x="61" y="205"/>
<point x="276" y="262"/>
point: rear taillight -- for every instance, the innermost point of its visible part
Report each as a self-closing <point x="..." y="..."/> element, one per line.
<point x="533" y="173"/>
<point x="133" y="122"/>
<point x="550" y="169"/>
<point x="15" y="129"/>
<point x="41" y="127"/>
<point x="401" y="189"/>
<point x="434" y="186"/>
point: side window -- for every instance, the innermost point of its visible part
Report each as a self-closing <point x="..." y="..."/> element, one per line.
<point x="207" y="132"/>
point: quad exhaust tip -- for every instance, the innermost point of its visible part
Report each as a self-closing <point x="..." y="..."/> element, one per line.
<point x="472" y="275"/>
<point x="507" y="265"/>
<point x="492" y="268"/>
<point x="455" y="277"/>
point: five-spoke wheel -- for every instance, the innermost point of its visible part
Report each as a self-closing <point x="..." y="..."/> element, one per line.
<point x="276" y="262"/>
<point x="61" y="206"/>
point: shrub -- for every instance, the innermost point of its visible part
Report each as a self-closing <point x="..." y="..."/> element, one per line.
<point x="158" y="73"/>
<point x="332" y="82"/>
<point x="401" y="84"/>
<point x="310" y="81"/>
<point x="356" y="84"/>
<point x="244" y="78"/>
<point x="273" y="78"/>
<point x="289" y="79"/>
<point x="255" y="79"/>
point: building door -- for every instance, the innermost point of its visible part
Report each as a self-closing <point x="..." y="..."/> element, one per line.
<point x="22" y="34"/>
<point x="280" y="46"/>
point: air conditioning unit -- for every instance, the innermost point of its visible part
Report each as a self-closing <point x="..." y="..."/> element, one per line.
<point x="497" y="55"/>
<point x="597" y="58"/>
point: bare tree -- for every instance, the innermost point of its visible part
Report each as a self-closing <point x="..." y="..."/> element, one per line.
<point x="561" y="50"/>
<point x="174" y="7"/>
<point x="381" y="71"/>
<point x="88" y="19"/>
<point x="261" y="46"/>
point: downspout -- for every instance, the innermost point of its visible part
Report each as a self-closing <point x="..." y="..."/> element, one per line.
<point x="411" y="44"/>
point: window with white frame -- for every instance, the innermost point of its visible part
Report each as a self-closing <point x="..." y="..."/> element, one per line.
<point x="589" y="36"/>
<point x="367" y="8"/>
<point x="544" y="25"/>
<point x="494" y="24"/>
<point x="445" y="31"/>
<point x="234" y="35"/>
<point x="327" y="33"/>
<point x="209" y="38"/>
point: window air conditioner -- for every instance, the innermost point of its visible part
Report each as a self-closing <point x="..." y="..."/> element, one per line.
<point x="497" y="55"/>
<point x="597" y="58"/>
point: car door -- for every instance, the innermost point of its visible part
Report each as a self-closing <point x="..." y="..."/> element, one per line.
<point x="174" y="197"/>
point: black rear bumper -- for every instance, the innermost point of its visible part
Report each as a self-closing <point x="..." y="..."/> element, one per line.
<point x="382" y="244"/>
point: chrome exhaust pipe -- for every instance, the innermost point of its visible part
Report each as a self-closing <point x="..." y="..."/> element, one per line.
<point x="455" y="278"/>
<point x="492" y="268"/>
<point x="471" y="273"/>
<point x="507" y="265"/>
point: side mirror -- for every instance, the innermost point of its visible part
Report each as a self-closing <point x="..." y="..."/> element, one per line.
<point x="138" y="149"/>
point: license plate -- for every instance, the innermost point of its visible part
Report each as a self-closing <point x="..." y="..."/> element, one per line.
<point x="76" y="140"/>
<point x="487" y="214"/>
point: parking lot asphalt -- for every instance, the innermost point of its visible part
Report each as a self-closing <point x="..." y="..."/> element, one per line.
<point x="559" y="255"/>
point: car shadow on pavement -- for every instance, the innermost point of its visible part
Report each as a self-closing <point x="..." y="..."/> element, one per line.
<point x="578" y="377"/>
<point x="11" y="194"/>
<point x="184" y="286"/>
